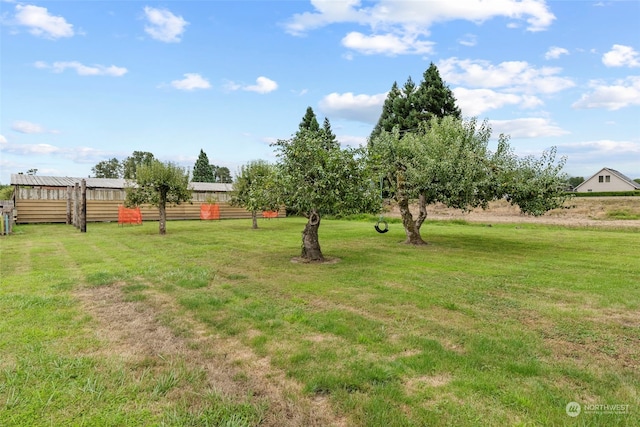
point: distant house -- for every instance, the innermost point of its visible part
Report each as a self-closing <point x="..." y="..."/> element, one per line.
<point x="607" y="180"/>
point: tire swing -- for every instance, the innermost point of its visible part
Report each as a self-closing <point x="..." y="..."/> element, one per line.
<point x="381" y="220"/>
<point x="381" y="230"/>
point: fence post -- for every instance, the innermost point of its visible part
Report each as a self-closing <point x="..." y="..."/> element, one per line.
<point x="68" y="204"/>
<point x="76" y="205"/>
<point x="83" y="207"/>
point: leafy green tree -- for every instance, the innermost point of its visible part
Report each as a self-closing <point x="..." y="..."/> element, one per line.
<point x="574" y="181"/>
<point x="111" y="168"/>
<point x="408" y="108"/>
<point x="447" y="160"/>
<point x="159" y="183"/>
<point x="222" y="174"/>
<point x="202" y="170"/>
<point x="255" y="189"/>
<point x="637" y="180"/>
<point x="131" y="164"/>
<point x="6" y="192"/>
<point x="316" y="180"/>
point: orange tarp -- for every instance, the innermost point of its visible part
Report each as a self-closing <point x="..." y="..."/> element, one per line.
<point x="129" y="216"/>
<point x="209" y="211"/>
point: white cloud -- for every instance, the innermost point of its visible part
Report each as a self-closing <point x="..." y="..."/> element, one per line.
<point x="468" y="40"/>
<point x="400" y="26"/>
<point x="362" y="108"/>
<point x="83" y="70"/>
<point x="555" y="52"/>
<point x="603" y="146"/>
<point x="624" y="93"/>
<point x="263" y="85"/>
<point x="3" y="140"/>
<point x="352" y="141"/>
<point x="621" y="56"/>
<point x="41" y="23"/>
<point x="474" y="102"/>
<point x="533" y="127"/>
<point x="24" y="126"/>
<point x="164" y="25"/>
<point x="387" y="44"/>
<point x="515" y="76"/>
<point x="77" y="154"/>
<point x="191" y="81"/>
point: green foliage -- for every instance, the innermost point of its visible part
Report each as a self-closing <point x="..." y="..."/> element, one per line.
<point x="309" y="121"/>
<point x="202" y="170"/>
<point x="535" y="185"/>
<point x="6" y="192"/>
<point x="408" y="108"/>
<point x="323" y="179"/>
<point x="131" y="164"/>
<point x="605" y="193"/>
<point x="111" y="168"/>
<point x="159" y="183"/>
<point x="255" y="187"/>
<point x="447" y="160"/>
<point x="574" y="181"/>
<point x="222" y="174"/>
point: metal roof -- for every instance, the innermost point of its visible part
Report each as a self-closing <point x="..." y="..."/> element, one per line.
<point x="65" y="181"/>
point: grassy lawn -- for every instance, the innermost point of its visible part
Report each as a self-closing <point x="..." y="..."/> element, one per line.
<point x="213" y="324"/>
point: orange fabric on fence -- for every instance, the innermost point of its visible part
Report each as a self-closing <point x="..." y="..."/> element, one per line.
<point x="209" y="211"/>
<point x="270" y="214"/>
<point x="129" y="216"/>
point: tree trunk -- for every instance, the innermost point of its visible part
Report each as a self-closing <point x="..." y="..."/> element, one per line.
<point x="254" y="220"/>
<point x="310" y="243"/>
<point x="162" y="209"/>
<point x="411" y="227"/>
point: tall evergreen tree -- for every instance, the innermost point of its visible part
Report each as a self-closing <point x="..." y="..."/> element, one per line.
<point x="309" y="121"/>
<point x="409" y="106"/>
<point x="434" y="98"/>
<point x="328" y="135"/>
<point x="202" y="171"/>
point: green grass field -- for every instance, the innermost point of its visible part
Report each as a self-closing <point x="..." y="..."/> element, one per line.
<point x="213" y="324"/>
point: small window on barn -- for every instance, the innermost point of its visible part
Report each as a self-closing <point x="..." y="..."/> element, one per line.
<point x="607" y="178"/>
<point x="601" y="178"/>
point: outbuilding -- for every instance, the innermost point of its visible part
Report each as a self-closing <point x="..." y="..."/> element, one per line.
<point x="46" y="199"/>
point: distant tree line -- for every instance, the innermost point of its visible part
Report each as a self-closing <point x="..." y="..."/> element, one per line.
<point x="203" y="171"/>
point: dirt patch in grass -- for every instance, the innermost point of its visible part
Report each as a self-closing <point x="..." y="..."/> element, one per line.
<point x="418" y="383"/>
<point x="132" y="331"/>
<point x="578" y="211"/>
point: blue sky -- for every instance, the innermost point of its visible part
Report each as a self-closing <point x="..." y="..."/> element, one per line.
<point x="85" y="81"/>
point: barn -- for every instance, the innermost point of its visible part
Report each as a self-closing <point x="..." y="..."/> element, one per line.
<point x="46" y="199"/>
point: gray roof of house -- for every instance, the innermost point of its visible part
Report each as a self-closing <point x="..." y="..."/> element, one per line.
<point x="113" y="183"/>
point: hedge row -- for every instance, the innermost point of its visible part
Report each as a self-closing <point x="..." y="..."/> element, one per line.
<point x="606" y="193"/>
